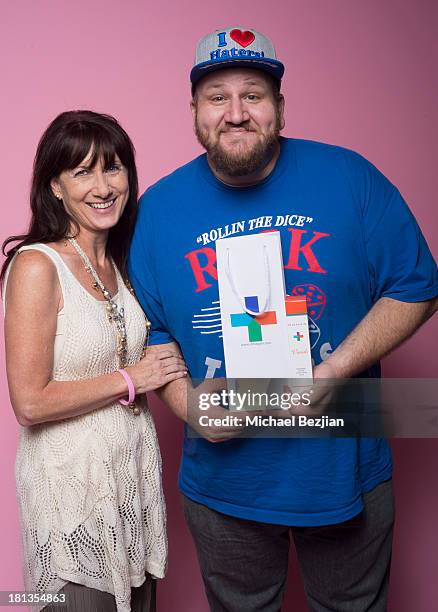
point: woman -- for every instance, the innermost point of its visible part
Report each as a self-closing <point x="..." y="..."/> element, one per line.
<point x="88" y="465"/>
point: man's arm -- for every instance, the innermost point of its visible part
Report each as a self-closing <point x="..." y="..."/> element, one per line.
<point x="173" y="394"/>
<point x="386" y="326"/>
<point x="178" y="394"/>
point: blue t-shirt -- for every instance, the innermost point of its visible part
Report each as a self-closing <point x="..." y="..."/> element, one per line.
<point x="348" y="239"/>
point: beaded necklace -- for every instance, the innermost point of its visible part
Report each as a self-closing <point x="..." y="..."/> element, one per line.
<point x="115" y="314"/>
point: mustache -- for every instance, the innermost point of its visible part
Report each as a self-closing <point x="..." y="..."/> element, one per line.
<point x="245" y="126"/>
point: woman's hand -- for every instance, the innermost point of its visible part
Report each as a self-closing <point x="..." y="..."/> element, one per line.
<point x="33" y="296"/>
<point x="156" y="369"/>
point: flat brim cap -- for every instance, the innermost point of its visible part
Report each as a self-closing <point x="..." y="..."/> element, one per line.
<point x="234" y="47"/>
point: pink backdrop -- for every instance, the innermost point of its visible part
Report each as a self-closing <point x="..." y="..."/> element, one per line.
<point x="358" y="74"/>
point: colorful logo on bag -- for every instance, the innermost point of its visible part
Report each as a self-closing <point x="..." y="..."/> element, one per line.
<point x="253" y="323"/>
<point x="295" y="306"/>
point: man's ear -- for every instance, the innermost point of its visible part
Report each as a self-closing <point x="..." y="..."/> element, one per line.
<point x="193" y="108"/>
<point x="281" y="110"/>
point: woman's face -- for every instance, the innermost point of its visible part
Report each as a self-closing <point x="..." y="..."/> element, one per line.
<point x="94" y="197"/>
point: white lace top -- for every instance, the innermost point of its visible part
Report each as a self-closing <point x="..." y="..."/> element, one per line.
<point x="89" y="487"/>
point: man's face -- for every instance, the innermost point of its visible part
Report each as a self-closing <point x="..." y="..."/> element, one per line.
<point x="238" y="118"/>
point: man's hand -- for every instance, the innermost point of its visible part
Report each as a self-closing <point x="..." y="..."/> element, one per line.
<point x="210" y="420"/>
<point x="322" y="392"/>
<point x="218" y="424"/>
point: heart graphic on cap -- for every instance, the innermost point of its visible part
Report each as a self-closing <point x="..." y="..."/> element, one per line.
<point x="242" y="38"/>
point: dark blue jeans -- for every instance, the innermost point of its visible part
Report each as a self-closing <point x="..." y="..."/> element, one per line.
<point x="345" y="567"/>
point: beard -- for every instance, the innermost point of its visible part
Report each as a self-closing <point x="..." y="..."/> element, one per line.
<point x="240" y="161"/>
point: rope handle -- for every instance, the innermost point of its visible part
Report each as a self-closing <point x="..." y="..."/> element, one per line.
<point x="238" y="295"/>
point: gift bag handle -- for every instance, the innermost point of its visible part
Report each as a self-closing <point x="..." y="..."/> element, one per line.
<point x="267" y="284"/>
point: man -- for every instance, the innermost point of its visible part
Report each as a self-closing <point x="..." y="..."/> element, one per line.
<point x="353" y="248"/>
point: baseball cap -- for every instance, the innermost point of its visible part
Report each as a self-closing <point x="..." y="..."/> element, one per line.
<point x="235" y="47"/>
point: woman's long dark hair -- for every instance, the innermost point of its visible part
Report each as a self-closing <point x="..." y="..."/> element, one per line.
<point x="63" y="146"/>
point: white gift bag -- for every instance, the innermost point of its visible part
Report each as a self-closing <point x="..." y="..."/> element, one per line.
<point x="252" y="300"/>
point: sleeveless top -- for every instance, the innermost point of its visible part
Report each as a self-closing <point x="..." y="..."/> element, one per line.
<point x="89" y="487"/>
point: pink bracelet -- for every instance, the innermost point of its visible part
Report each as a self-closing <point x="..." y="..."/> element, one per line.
<point x="131" y="389"/>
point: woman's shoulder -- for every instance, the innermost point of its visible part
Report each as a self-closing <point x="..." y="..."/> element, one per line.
<point x="44" y="256"/>
<point x="34" y="259"/>
<point x="32" y="269"/>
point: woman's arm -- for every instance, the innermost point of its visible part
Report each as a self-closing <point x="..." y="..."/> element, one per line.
<point x="33" y="297"/>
